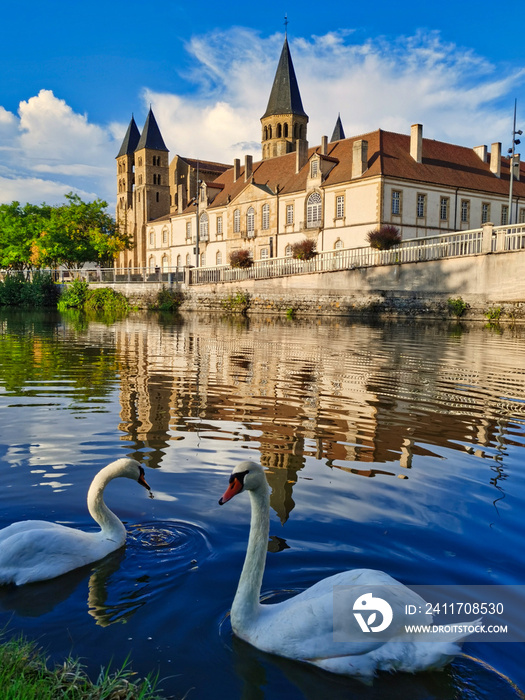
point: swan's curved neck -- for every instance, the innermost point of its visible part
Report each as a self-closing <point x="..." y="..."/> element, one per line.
<point x="110" y="525"/>
<point x="245" y="607"/>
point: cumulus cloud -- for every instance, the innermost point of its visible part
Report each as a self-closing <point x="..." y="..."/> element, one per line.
<point x="47" y="138"/>
<point x="48" y="149"/>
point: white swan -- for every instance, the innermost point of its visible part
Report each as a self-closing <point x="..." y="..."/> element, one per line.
<point x="302" y="627"/>
<point x="36" y="550"/>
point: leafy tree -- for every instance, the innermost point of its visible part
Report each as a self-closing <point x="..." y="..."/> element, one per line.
<point x="76" y="233"/>
<point x="19" y="228"/>
<point x="384" y="237"/>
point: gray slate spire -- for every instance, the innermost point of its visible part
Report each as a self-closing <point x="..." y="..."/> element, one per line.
<point x="131" y="140"/>
<point x="338" y="134"/>
<point x="151" y="136"/>
<point x="285" y="97"/>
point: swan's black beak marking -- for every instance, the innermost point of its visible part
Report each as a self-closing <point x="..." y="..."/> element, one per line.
<point x="235" y="487"/>
<point x="142" y="481"/>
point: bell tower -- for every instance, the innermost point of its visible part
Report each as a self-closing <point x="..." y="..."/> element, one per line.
<point x="125" y="173"/>
<point x="285" y="122"/>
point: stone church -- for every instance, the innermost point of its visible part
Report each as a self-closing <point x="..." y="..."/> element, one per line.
<point x="193" y="212"/>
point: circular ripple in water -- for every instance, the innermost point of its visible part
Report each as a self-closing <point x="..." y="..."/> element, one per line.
<point x="177" y="542"/>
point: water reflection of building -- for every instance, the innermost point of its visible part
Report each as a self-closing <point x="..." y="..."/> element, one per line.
<point x="340" y="394"/>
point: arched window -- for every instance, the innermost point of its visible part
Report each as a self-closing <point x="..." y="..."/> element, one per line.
<point x="288" y="251"/>
<point x="265" y="133"/>
<point x="151" y="264"/>
<point x="151" y="238"/>
<point x="203" y="259"/>
<point x="338" y="244"/>
<point x="218" y="258"/>
<point x="286" y="130"/>
<point x="203" y="227"/>
<point x="264" y="254"/>
<point x="265" y="223"/>
<point x="164" y="263"/>
<point x="279" y="131"/>
<point x="269" y="132"/>
<point x="179" y="260"/>
<point x="237" y="221"/>
<point x="250" y="221"/>
<point x="165" y="236"/>
<point x="188" y="260"/>
<point x="313" y="210"/>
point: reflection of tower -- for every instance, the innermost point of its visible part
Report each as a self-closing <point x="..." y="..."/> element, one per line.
<point x="282" y="477"/>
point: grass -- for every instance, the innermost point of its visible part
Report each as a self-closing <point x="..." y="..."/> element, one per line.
<point x="24" y="675"/>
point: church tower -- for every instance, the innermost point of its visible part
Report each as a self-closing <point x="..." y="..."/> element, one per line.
<point x="284" y="122"/>
<point x="125" y="175"/>
<point x="152" y="191"/>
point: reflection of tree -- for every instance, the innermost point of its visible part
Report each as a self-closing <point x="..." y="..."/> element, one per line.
<point x="29" y="359"/>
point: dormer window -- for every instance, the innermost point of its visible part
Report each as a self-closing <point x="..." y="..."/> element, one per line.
<point x="314" y="168"/>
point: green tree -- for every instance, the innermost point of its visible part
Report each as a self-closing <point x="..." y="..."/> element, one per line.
<point x="19" y="228"/>
<point x="78" y="232"/>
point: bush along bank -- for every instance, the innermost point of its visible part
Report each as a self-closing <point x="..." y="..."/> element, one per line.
<point x="40" y="292"/>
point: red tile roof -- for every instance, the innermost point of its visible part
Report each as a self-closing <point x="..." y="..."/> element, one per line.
<point x="443" y="164"/>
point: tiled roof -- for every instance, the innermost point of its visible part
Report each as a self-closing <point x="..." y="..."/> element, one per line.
<point x="442" y="164"/>
<point x="206" y="164"/>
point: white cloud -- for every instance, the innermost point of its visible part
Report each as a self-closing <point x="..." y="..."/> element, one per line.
<point x="456" y="94"/>
<point x="49" y="149"/>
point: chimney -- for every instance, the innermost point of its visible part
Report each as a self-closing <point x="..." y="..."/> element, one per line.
<point x="495" y="159"/>
<point x="416" y="142"/>
<point x="359" y="158"/>
<point x="517" y="166"/>
<point x="301" y="154"/>
<point x="324" y="145"/>
<point x="481" y="151"/>
<point x="248" y="162"/>
<point x="236" y="169"/>
<point x="182" y="198"/>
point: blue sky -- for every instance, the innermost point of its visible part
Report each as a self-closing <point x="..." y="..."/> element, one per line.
<point x="71" y="74"/>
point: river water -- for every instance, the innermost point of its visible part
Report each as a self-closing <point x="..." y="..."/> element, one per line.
<point x="395" y="447"/>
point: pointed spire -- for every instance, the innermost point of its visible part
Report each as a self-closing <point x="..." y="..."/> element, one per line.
<point x="131" y="140"/>
<point x="151" y="136"/>
<point x="285" y="97"/>
<point x="338" y="134"/>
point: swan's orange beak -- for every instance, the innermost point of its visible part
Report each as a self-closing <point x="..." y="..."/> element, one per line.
<point x="233" y="489"/>
<point x="142" y="481"/>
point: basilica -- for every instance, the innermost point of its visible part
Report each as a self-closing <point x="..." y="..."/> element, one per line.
<point x="194" y="212"/>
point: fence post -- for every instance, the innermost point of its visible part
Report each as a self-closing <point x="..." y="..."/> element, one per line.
<point x="486" y="244"/>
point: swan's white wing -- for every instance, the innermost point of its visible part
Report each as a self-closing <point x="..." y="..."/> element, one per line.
<point x="25" y="526"/>
<point x="303" y="626"/>
<point x="46" y="551"/>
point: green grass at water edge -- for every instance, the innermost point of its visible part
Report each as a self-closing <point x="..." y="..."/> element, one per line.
<point x="24" y="675"/>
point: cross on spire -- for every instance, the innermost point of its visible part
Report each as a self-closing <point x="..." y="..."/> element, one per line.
<point x="286" y="25"/>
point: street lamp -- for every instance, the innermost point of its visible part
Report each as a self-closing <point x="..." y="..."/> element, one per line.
<point x="515" y="142"/>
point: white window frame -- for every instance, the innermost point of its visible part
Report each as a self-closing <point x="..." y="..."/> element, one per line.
<point x="485" y="212"/>
<point x="465" y="211"/>
<point x="289" y="214"/>
<point x="237" y="221"/>
<point x="314" y="205"/>
<point x="250" y="222"/>
<point x="265" y="217"/>
<point x="219" y="225"/>
<point x="396" y="199"/>
<point x="340" y="206"/>
<point x="421" y="205"/>
<point x="504" y="214"/>
<point x="203" y="227"/>
<point x="444" y="208"/>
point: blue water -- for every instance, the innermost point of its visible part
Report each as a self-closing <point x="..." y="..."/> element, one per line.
<point x="396" y="447"/>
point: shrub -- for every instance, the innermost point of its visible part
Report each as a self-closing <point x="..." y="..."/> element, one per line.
<point x="494" y="314"/>
<point x="384" y="238"/>
<point x="167" y="300"/>
<point x="457" y="306"/>
<point x="241" y="258"/>
<point x="74" y="297"/>
<point x="304" y="250"/>
<point x="238" y="302"/>
<point x="15" y="290"/>
<point x="107" y="300"/>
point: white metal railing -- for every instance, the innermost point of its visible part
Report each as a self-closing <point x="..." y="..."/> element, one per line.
<point x="462" y="243"/>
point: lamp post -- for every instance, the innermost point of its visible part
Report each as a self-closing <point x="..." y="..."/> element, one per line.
<point x="515" y="142"/>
